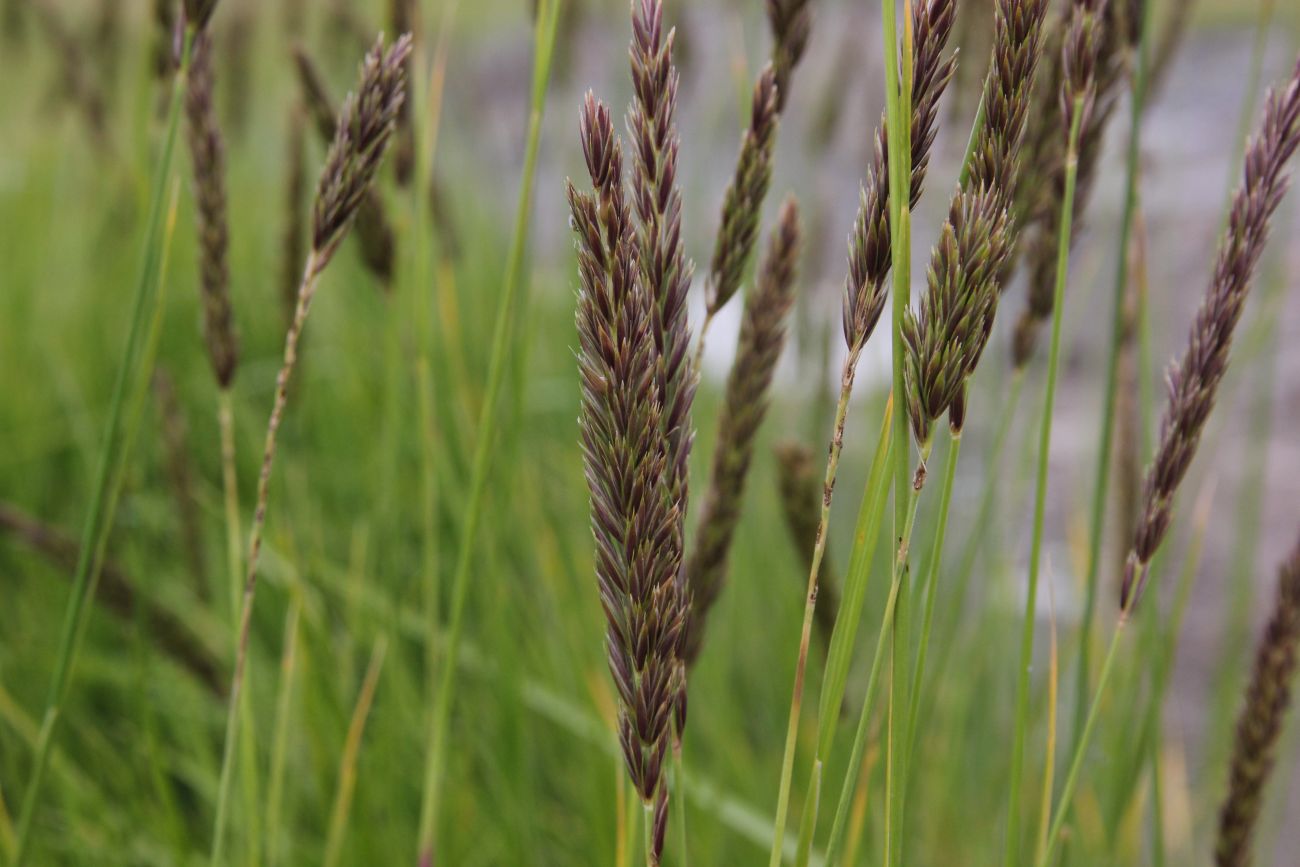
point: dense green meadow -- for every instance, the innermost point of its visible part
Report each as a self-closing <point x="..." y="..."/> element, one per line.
<point x="428" y="540"/>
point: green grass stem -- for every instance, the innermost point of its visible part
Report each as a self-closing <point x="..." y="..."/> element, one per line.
<point x="1012" y="856"/>
<point x="1106" y="432"/>
<point x="511" y="297"/>
<point x="839" y="656"/>
<point x="113" y="456"/>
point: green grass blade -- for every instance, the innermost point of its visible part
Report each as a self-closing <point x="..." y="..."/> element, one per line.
<point x="113" y="456"/>
<point x="544" y="42"/>
<point x="1040" y="493"/>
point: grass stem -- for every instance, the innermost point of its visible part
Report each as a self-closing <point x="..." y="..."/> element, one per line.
<point x="544" y="44"/>
<point x="1106" y="433"/>
<point x="899" y="113"/>
<point x="306" y="291"/>
<point x="929" y="584"/>
<point x="810" y="605"/>
<point x="113" y="456"/>
<point x="839" y="655"/>
<point x="1040" y="492"/>
<point x="1081" y="747"/>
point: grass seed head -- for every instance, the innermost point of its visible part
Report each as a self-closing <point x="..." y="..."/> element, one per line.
<point x="791" y="23"/>
<point x="743" y="201"/>
<point x="1268" y="697"/>
<point x="207" y="154"/>
<point x="365" y="127"/>
<point x="1194" y="381"/>
<point x="870" y="255"/>
<point x="625" y="455"/>
<point x="944" y="341"/>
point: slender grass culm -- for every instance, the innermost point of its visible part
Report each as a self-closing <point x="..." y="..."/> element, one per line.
<point x="870" y="259"/>
<point x="207" y="156"/>
<point x="626" y="453"/>
<point x="1194" y="381"/>
<point x="1078" y="90"/>
<point x="513" y="297"/>
<point x="114" y="452"/>
<point x="1259" y="727"/>
<point x="762" y="338"/>
<point x="363" y="132"/>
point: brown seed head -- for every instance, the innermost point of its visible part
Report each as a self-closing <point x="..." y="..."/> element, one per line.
<point x="743" y="201"/>
<point x="365" y="127"/>
<point x="944" y="342"/>
<point x="1268" y="698"/>
<point x="1194" y="381"/>
<point x="870" y="255"/>
<point x="625" y="455"/>
<point x="207" y="154"/>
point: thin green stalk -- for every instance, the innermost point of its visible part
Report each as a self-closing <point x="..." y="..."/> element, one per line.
<point x="900" y="172"/>
<point x="113" y="456"/>
<point x="839" y="656"/>
<point x="1081" y="747"/>
<point x="887" y="619"/>
<point x="1012" y="856"/>
<point x="280" y="738"/>
<point x="810" y="604"/>
<point x="648" y="823"/>
<point x="1163" y="653"/>
<point x="1101" y="480"/>
<point x="544" y="41"/>
<point x="342" y="809"/>
<point x="928" y="586"/>
<point x="234" y="561"/>
<point x="428" y="108"/>
<point x="978" y="533"/>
